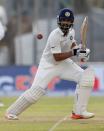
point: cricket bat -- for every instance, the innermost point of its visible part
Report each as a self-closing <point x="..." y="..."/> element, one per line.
<point x="83" y="32"/>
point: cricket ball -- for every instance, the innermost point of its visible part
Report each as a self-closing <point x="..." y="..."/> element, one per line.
<point x="39" y="36"/>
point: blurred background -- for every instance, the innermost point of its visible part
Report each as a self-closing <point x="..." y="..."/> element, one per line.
<point x="20" y="50"/>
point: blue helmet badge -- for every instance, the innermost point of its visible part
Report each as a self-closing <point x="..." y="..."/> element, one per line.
<point x="67" y="14"/>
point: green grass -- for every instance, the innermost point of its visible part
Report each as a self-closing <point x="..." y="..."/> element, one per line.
<point x="47" y="111"/>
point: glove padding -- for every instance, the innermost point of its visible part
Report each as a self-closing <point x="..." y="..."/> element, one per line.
<point x="83" y="54"/>
<point x="75" y="50"/>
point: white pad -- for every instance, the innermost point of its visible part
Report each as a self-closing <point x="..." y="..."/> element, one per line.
<point x="25" y="100"/>
<point x="18" y="106"/>
<point x="87" y="79"/>
<point x="81" y="99"/>
<point x="33" y="94"/>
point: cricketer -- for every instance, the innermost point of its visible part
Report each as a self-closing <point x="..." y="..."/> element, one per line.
<point x="56" y="61"/>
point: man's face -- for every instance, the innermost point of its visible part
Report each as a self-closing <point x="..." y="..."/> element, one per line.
<point x="66" y="24"/>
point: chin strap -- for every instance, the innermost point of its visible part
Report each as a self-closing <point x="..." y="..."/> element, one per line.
<point x="66" y="31"/>
<point x="65" y="34"/>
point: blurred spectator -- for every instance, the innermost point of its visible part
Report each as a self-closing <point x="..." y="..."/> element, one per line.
<point x="6" y="44"/>
<point x="11" y="26"/>
<point x="3" y="17"/>
<point x="26" y="24"/>
<point x="4" y="59"/>
<point x="9" y="38"/>
<point x="3" y="24"/>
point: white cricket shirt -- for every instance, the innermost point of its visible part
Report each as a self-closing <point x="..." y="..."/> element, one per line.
<point x="57" y="43"/>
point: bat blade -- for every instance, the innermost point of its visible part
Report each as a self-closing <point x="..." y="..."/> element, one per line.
<point x="83" y="31"/>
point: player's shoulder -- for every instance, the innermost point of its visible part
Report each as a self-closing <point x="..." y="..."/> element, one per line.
<point x="56" y="32"/>
<point x="72" y="32"/>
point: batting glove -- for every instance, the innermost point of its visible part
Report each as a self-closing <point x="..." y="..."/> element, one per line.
<point x="84" y="54"/>
<point x="75" y="50"/>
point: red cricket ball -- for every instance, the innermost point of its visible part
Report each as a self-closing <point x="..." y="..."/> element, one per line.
<point x="39" y="36"/>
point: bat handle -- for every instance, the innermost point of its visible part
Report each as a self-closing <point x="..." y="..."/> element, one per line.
<point x="83" y="46"/>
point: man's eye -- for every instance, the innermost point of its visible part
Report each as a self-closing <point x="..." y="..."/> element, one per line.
<point x="65" y="24"/>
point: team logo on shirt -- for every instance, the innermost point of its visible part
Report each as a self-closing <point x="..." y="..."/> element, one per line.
<point x="67" y="14"/>
<point x="71" y="37"/>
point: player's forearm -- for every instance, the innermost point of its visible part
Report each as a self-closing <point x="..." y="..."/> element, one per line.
<point x="63" y="56"/>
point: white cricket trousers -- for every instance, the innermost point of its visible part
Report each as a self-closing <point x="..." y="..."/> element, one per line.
<point x="67" y="70"/>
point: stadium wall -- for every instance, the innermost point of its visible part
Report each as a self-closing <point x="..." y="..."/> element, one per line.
<point x="16" y="79"/>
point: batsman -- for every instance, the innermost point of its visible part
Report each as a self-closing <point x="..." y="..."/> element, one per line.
<point x="56" y="62"/>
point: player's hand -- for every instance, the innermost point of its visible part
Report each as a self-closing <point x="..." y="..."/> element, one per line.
<point x="83" y="54"/>
<point x="75" y="50"/>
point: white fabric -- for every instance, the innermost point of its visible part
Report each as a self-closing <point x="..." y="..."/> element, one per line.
<point x="57" y="43"/>
<point x="81" y="99"/>
<point x="87" y="79"/>
<point x="25" y="100"/>
<point x="67" y="70"/>
<point x="33" y="94"/>
<point x="83" y="91"/>
<point x="2" y="31"/>
<point x="18" y="106"/>
<point x="84" y="56"/>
